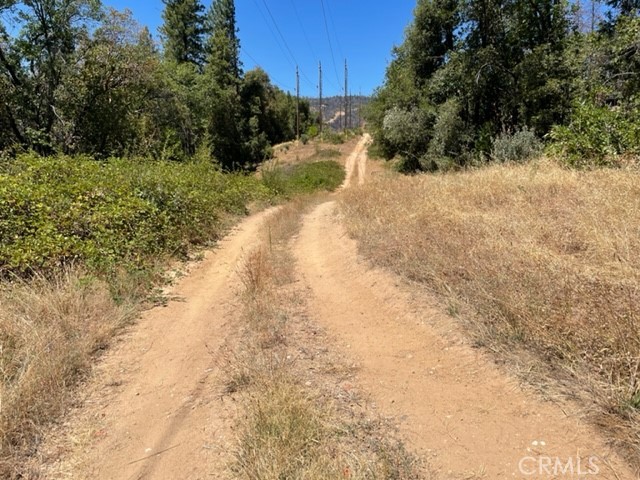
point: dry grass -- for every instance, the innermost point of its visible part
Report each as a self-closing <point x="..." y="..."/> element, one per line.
<point x="49" y="332"/>
<point x="295" y="423"/>
<point x="539" y="258"/>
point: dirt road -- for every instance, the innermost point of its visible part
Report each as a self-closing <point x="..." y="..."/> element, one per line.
<point x="155" y="411"/>
<point x="469" y="419"/>
<point x="356" y="164"/>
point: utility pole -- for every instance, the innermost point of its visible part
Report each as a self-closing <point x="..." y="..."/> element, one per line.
<point x="297" y="103"/>
<point x="346" y="94"/>
<point x="320" y="99"/>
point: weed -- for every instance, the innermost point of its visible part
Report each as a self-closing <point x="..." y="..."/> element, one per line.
<point x="50" y="330"/>
<point x="538" y="257"/>
<point x="289" y="429"/>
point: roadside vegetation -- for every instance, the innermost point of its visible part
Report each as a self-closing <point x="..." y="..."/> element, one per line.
<point x="316" y="172"/>
<point x="539" y="255"/>
<point x="297" y="420"/>
<point x="115" y="215"/>
<point x="475" y="80"/>
<point x="533" y="259"/>
<point x="117" y="156"/>
<point x="78" y="77"/>
<point x="83" y="246"/>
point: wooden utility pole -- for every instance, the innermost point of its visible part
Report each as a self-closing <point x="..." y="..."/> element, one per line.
<point x="297" y="103"/>
<point x="346" y="94"/>
<point x="320" y="99"/>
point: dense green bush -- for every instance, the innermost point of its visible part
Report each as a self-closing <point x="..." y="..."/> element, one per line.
<point x="597" y="135"/>
<point x="54" y="211"/>
<point x="310" y="177"/>
<point x="304" y="177"/>
<point x="516" y="147"/>
<point x="334" y="138"/>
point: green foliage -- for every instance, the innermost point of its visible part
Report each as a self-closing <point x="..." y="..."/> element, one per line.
<point x="223" y="45"/>
<point x="597" y="135"/>
<point x="34" y="62"/>
<point x="448" y="142"/>
<point x="334" y="138"/>
<point x="303" y="178"/>
<point x="182" y="31"/>
<point x="118" y="213"/>
<point x="76" y="78"/>
<point x="516" y="147"/>
<point x="409" y="131"/>
<point x="312" y="131"/>
<point x="467" y="71"/>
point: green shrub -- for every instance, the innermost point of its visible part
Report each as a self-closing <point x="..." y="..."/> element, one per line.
<point x="334" y="138"/>
<point x="118" y="213"/>
<point x="303" y="178"/>
<point x="516" y="147"/>
<point x="310" y="177"/>
<point x="597" y="135"/>
<point x="312" y="131"/>
<point x="274" y="179"/>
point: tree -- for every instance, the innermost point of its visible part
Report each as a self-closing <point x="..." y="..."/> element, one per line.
<point x="227" y="122"/>
<point x="183" y="31"/>
<point x="432" y="36"/>
<point x="625" y="7"/>
<point x="468" y="71"/>
<point x="110" y="87"/>
<point x="33" y="64"/>
<point x="223" y="45"/>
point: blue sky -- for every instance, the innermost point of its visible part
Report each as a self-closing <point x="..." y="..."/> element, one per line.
<point x="362" y="31"/>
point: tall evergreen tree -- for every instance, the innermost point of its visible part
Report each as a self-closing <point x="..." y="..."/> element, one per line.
<point x="223" y="46"/>
<point x="625" y="7"/>
<point x="183" y="31"/>
<point x="227" y="122"/>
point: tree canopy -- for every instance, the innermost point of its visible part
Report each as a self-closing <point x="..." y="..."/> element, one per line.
<point x="472" y="72"/>
<point x="78" y="77"/>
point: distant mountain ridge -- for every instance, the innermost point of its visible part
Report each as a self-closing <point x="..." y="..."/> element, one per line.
<point x="333" y="114"/>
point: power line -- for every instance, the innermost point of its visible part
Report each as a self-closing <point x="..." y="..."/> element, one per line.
<point x="283" y="87"/>
<point x="279" y="32"/>
<point x="273" y="34"/>
<point x="304" y="31"/>
<point x="333" y="59"/>
<point x="335" y="31"/>
<point x="285" y="41"/>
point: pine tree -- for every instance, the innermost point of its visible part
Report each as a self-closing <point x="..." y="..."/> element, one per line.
<point x="625" y="7"/>
<point x="223" y="46"/>
<point x="183" y="30"/>
<point x="432" y="35"/>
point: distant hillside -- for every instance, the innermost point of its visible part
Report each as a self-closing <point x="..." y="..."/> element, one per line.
<point x="333" y="111"/>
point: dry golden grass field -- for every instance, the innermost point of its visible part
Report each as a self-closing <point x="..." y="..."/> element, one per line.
<point x="539" y="260"/>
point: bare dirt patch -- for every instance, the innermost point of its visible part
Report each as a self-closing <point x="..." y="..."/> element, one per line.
<point x="153" y="408"/>
<point x="458" y="410"/>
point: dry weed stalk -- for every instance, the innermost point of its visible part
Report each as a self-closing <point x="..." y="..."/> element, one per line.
<point x="291" y="428"/>
<point x="49" y="331"/>
<point x="543" y="259"/>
